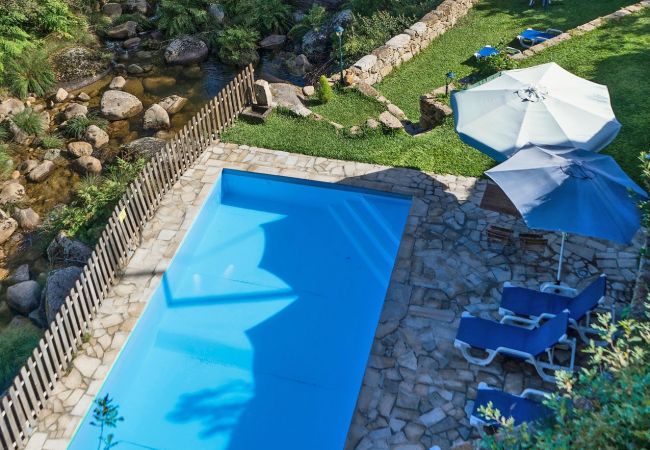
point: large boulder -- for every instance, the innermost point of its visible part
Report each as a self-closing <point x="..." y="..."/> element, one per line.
<point x="273" y="41"/>
<point x="80" y="148"/>
<point x="186" y="50"/>
<point x="117" y="83"/>
<point x="11" y="192"/>
<point x="156" y="118"/>
<point x="80" y="64"/>
<point x="136" y="6"/>
<point x="144" y="147"/>
<point x="75" y="110"/>
<point x="298" y="65"/>
<point x="57" y="288"/>
<point x="173" y="103"/>
<point x="287" y="96"/>
<point x="87" y="165"/>
<point x="390" y="122"/>
<point x="10" y="107"/>
<point x="96" y="136"/>
<point x="118" y="105"/>
<point x="123" y="31"/>
<point x="112" y="9"/>
<point x="68" y="251"/>
<point x="316" y="44"/>
<point x="41" y="172"/>
<point x="7" y="227"/>
<point x="24" y="297"/>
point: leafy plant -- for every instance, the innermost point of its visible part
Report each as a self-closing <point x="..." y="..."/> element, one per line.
<point x="271" y="16"/>
<point x="144" y="24"/>
<point x="106" y="415"/>
<point x="6" y="163"/>
<point x="49" y="141"/>
<point x="30" y="72"/>
<point x="325" y="93"/>
<point x="4" y="133"/>
<point x="496" y="63"/>
<point x="29" y="121"/>
<point x="604" y="406"/>
<point x="181" y="17"/>
<point x="76" y="127"/>
<point x="238" y="45"/>
<point x="313" y="20"/>
<point x="369" y="32"/>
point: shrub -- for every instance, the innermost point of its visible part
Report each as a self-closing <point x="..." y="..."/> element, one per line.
<point x="271" y="16"/>
<point x="238" y="45"/>
<point x="77" y="126"/>
<point x="4" y="133"/>
<point x="30" y="72"/>
<point x="49" y="141"/>
<point x="16" y="344"/>
<point x="604" y="406"/>
<point x="316" y="16"/>
<point x="54" y="16"/>
<point x="181" y="17"/>
<point x="29" y="121"/>
<point x="367" y="33"/>
<point x="6" y="163"/>
<point x="325" y="93"/>
<point x="495" y="63"/>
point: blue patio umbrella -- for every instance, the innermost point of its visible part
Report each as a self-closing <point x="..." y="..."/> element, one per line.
<point x="541" y="105"/>
<point x="572" y="191"/>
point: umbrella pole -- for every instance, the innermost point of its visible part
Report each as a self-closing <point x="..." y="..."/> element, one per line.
<point x="559" y="266"/>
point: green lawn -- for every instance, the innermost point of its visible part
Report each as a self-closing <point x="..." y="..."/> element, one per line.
<point x="349" y="107"/>
<point x="616" y="54"/>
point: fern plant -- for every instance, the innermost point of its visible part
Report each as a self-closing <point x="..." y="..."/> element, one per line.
<point x="30" y="72"/>
<point x="182" y="17"/>
<point x="238" y="45"/>
<point x="76" y="127"/>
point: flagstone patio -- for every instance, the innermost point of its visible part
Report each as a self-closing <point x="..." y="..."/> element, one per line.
<point x="417" y="388"/>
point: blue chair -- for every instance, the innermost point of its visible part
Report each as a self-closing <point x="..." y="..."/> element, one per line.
<point x="530" y="37"/>
<point x="527" y="307"/>
<point x="488" y="51"/>
<point x="523" y="408"/>
<point x="535" y="346"/>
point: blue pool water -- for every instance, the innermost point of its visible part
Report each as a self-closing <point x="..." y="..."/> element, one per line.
<point x="259" y="333"/>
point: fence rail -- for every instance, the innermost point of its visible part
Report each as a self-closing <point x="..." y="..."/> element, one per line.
<point x="33" y="385"/>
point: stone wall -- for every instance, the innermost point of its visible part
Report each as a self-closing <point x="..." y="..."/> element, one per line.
<point x="374" y="67"/>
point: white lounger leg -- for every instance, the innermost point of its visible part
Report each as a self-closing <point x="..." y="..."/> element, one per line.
<point x="464" y="349"/>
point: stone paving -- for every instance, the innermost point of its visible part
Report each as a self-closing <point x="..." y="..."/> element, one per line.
<point x="417" y="388"/>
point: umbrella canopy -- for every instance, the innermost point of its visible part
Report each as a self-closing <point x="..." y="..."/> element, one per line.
<point x="541" y="105"/>
<point x="571" y="190"/>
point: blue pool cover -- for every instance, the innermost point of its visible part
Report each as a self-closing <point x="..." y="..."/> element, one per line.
<point x="259" y="333"/>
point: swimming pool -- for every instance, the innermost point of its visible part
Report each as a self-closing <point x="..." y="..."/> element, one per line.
<point x="259" y="333"/>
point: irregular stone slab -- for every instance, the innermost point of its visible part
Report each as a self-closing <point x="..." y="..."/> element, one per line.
<point x="186" y="51"/>
<point x="96" y="136"/>
<point x="24" y="297"/>
<point x="286" y="96"/>
<point x="118" y="105"/>
<point x="156" y="118"/>
<point x="41" y="172"/>
<point x="390" y="121"/>
<point x="366" y="63"/>
<point x="173" y="103"/>
<point x="399" y="41"/>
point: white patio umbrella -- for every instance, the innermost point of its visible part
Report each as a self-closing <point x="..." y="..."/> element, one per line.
<point x="541" y="105"/>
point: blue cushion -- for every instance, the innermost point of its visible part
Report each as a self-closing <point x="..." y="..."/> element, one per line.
<point x="520" y="409"/>
<point x="588" y="298"/>
<point x="486" y="51"/>
<point x="535" y="35"/>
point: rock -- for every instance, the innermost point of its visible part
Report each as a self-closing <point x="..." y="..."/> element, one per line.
<point x="10" y="107"/>
<point x="372" y="124"/>
<point x="308" y="90"/>
<point x="164" y="134"/>
<point x="366" y="63"/>
<point x="130" y="44"/>
<point x="156" y="84"/>
<point x="7" y="227"/>
<point x="112" y="9"/>
<point x="27" y="219"/>
<point x="24" y="297"/>
<point x="11" y="192"/>
<point x="217" y="12"/>
<point x="173" y="103"/>
<point x="316" y="43"/>
<point x="41" y="172"/>
<point x="134" y="69"/>
<point x="52" y="154"/>
<point x="61" y="95"/>
<point x="432" y="111"/>
<point x="298" y="66"/>
<point x="117" y="105"/>
<point x="156" y="118"/>
<point x="119" y="128"/>
<point x="390" y="121"/>
<point x="123" y="31"/>
<point x="57" y="288"/>
<point x="96" y="136"/>
<point x="274" y="41"/>
<point x="75" y="110"/>
<point x="88" y="165"/>
<point x="27" y="165"/>
<point x="79" y="148"/>
<point x="145" y="147"/>
<point x="136" y="6"/>
<point x="186" y="51"/>
<point x="262" y="91"/>
<point x="19" y="136"/>
<point x="82" y="96"/>
<point x="117" y="83"/>
<point x="78" y="64"/>
<point x="68" y="251"/>
<point x="19" y="275"/>
<point x="394" y="110"/>
<point x="286" y="96"/>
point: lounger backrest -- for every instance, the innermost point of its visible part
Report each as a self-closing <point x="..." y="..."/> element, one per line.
<point x="588" y="298"/>
<point x="548" y="334"/>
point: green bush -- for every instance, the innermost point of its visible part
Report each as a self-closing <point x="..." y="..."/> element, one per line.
<point x="325" y="92"/>
<point x="144" y="24"/>
<point x="29" y="121"/>
<point x="181" y="17"/>
<point x="605" y="406"/>
<point x="369" y="32"/>
<point x="94" y="201"/>
<point x="16" y="344"/>
<point x="76" y="127"/>
<point x="30" y="72"/>
<point x="49" y="141"/>
<point x="238" y="45"/>
<point x="316" y="16"/>
<point x="495" y="63"/>
<point x="5" y="135"/>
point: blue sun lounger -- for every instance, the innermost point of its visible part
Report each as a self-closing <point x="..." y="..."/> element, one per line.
<point x="535" y="346"/>
<point x="523" y="408"/>
<point x="488" y="51"/>
<point x="530" y="37"/>
<point x="527" y="307"/>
